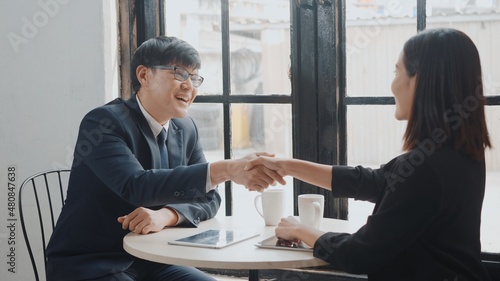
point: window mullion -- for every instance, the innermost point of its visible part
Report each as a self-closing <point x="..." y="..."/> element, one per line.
<point x="226" y="91"/>
<point x="316" y="51"/>
<point x="421" y="15"/>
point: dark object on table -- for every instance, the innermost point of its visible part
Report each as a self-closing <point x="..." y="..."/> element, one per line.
<point x="288" y="243"/>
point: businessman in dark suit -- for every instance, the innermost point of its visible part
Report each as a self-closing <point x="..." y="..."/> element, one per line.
<point x="122" y="180"/>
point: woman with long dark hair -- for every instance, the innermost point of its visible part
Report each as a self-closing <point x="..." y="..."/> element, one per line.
<point x="426" y="220"/>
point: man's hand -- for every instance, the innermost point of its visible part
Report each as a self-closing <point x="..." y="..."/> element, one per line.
<point x="306" y="171"/>
<point x="271" y="163"/>
<point x="143" y="220"/>
<point x="258" y="178"/>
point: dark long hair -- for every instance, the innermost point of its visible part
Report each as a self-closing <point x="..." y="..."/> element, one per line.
<point x="448" y="93"/>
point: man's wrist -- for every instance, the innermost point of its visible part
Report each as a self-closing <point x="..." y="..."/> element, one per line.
<point x="219" y="172"/>
<point x="172" y="215"/>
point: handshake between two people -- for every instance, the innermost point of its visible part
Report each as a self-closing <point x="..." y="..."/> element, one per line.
<point x="256" y="171"/>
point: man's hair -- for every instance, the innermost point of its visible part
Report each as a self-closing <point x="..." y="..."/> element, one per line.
<point x="448" y="92"/>
<point x="163" y="50"/>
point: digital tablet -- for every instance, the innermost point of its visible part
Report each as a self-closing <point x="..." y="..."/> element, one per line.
<point x="216" y="238"/>
<point x="272" y="243"/>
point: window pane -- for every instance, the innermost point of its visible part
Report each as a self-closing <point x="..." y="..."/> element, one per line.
<point x="366" y="144"/>
<point x="375" y="34"/>
<point x="436" y="8"/>
<point x="260" y="127"/>
<point x="260" y="42"/>
<point x="208" y="119"/>
<point x="260" y="47"/>
<point x="490" y="230"/>
<point x="198" y="23"/>
<point x="374" y="137"/>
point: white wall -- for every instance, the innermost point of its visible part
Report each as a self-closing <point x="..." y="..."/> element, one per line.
<point x="58" y="60"/>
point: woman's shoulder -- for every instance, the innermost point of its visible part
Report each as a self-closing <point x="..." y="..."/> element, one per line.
<point x="435" y="156"/>
<point x="445" y="164"/>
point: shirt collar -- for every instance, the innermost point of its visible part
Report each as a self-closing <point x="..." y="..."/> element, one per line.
<point x="153" y="124"/>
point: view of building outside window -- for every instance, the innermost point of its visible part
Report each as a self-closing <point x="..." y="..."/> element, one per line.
<point x="259" y="65"/>
<point x="376" y="32"/>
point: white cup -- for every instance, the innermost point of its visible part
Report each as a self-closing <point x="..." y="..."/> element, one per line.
<point x="311" y="209"/>
<point x="270" y="205"/>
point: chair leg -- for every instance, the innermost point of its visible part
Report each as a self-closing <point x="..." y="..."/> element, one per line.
<point x="253" y="275"/>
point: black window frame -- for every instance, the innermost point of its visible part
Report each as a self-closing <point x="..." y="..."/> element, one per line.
<point x="318" y="74"/>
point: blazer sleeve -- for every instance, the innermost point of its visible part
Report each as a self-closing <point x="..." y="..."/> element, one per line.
<point x="357" y="182"/>
<point x="105" y="145"/>
<point x="201" y="207"/>
<point x="399" y="220"/>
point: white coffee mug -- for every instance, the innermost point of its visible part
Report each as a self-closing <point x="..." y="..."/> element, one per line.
<point x="270" y="205"/>
<point x="311" y="209"/>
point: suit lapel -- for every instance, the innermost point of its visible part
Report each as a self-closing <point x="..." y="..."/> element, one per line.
<point x="174" y="145"/>
<point x="146" y="131"/>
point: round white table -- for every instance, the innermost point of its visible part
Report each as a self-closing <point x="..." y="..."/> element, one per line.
<point x="242" y="255"/>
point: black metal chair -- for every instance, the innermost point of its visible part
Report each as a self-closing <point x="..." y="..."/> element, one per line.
<point x="41" y="195"/>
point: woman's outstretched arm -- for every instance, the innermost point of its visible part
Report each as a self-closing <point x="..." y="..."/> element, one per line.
<point x="310" y="172"/>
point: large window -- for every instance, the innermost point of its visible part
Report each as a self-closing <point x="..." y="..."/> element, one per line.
<point x="337" y="107"/>
<point x="244" y="105"/>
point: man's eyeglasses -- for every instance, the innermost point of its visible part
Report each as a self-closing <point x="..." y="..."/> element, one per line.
<point x="182" y="75"/>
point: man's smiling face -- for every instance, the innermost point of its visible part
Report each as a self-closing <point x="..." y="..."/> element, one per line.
<point x="165" y="97"/>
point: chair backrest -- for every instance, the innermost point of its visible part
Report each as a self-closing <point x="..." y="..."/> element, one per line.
<point x="41" y="197"/>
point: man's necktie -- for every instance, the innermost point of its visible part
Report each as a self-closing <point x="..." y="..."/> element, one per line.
<point x="162" y="137"/>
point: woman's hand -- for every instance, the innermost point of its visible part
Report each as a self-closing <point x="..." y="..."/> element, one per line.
<point x="258" y="178"/>
<point x="288" y="228"/>
<point x="271" y="163"/>
<point x="306" y="171"/>
<point x="143" y="220"/>
<point x="291" y="229"/>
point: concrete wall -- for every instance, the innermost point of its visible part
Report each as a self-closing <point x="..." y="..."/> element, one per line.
<point x="58" y="60"/>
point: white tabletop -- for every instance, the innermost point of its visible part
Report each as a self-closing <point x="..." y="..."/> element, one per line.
<point x="242" y="255"/>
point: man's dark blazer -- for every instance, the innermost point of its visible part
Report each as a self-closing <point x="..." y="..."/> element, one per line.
<point x="115" y="170"/>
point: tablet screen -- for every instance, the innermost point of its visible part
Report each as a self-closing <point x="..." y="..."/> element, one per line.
<point x="215" y="238"/>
